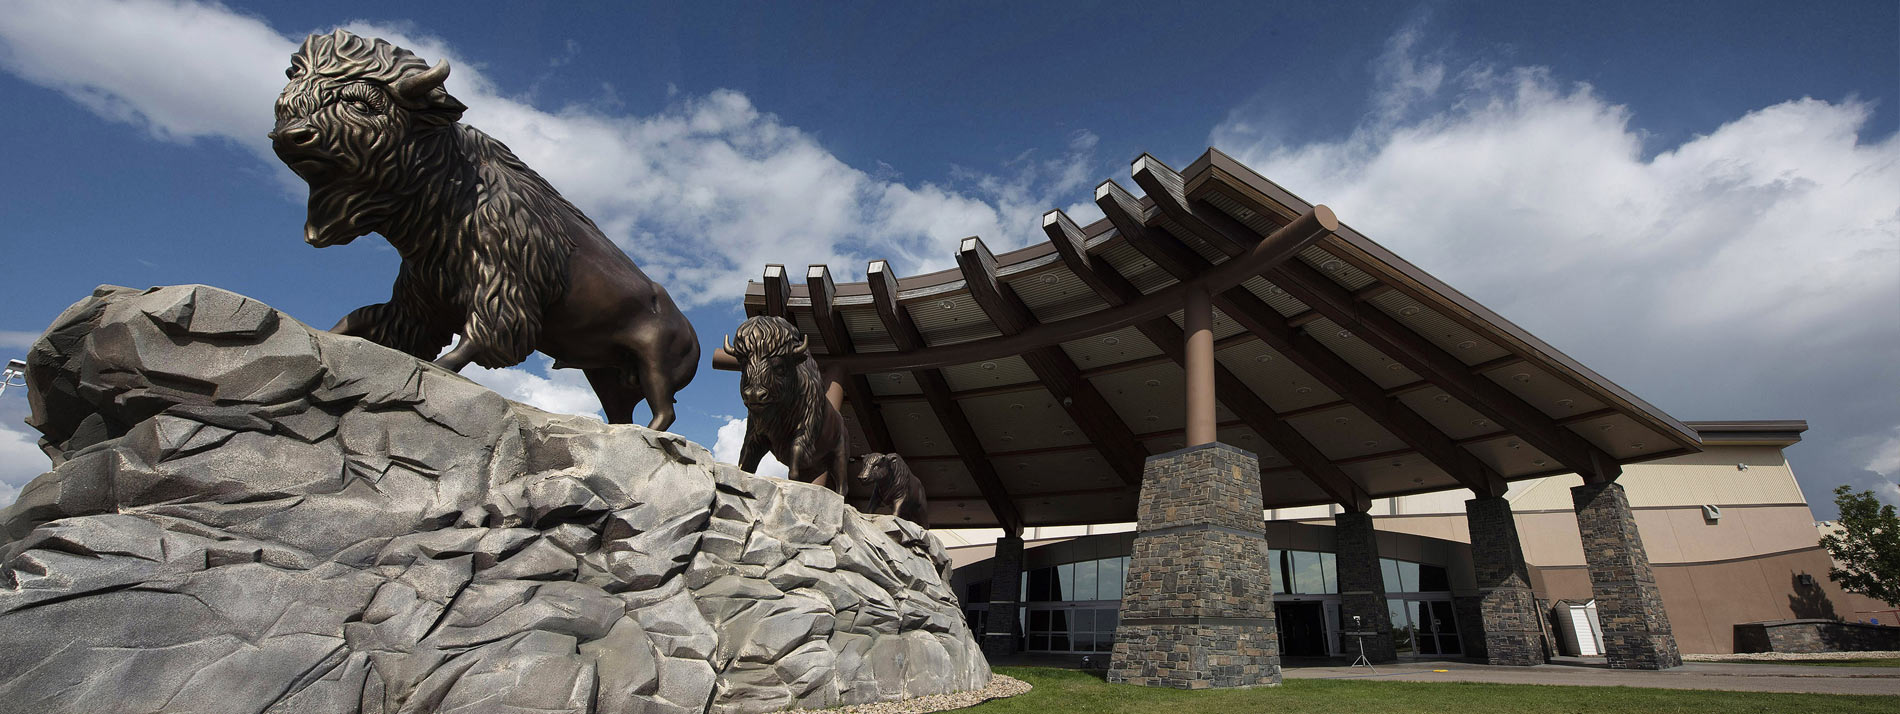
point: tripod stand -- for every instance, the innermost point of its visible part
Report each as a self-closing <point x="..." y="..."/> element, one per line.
<point x="1362" y="661"/>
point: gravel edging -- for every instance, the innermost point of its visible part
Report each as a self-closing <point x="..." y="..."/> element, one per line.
<point x="1789" y="656"/>
<point x="1001" y="686"/>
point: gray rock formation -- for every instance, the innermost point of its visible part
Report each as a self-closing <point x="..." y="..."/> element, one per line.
<point x="249" y="515"/>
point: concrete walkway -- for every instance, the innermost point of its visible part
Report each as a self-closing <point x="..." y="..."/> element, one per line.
<point x="1749" y="677"/>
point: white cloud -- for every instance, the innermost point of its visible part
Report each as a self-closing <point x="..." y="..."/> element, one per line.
<point x="562" y="391"/>
<point x="701" y="194"/>
<point x="731" y="438"/>
<point x="1745" y="273"/>
<point x="17" y="340"/>
<point x="20" y="461"/>
<point x="1884" y="457"/>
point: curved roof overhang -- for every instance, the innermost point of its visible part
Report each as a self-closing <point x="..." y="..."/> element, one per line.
<point x="1027" y="388"/>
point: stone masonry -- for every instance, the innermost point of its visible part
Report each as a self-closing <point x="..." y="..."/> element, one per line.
<point x="1635" y="628"/>
<point x="1006" y="569"/>
<point x="1198" y="610"/>
<point x="1362" y="588"/>
<point x="1508" y="614"/>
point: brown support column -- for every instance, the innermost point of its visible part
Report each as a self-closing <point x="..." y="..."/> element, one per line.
<point x="1507" y="610"/>
<point x="1006" y="573"/>
<point x="834" y="389"/>
<point x="1198" y="322"/>
<point x="1635" y="628"/>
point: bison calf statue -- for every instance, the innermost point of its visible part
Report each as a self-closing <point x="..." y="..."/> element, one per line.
<point x="895" y="490"/>
<point x="489" y="250"/>
<point x="786" y="410"/>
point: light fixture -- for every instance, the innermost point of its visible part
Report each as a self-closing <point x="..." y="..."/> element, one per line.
<point x="948" y="304"/>
<point x="16" y="369"/>
<point x="1637" y="445"/>
<point x="1479" y="422"/>
<point x="1332" y="266"/>
<point x="1394" y="366"/>
<point x="1513" y="444"/>
<point x="1442" y="398"/>
<point x="913" y="415"/>
<point x="1263" y="359"/>
<point x="1049" y="279"/>
<point x="1409" y="310"/>
<point x="1111" y="340"/>
<point x="1153" y="383"/>
<point x="1522" y="377"/>
<point x="988" y="366"/>
<point x="1018" y="406"/>
<point x="1537" y="462"/>
<point x="1303" y="390"/>
<point x="1467" y="344"/>
<point x="1565" y="403"/>
<point x="895" y="377"/>
<point x="1741" y="467"/>
<point x="1068" y="432"/>
<point x="1341" y="420"/>
<point x="1345" y="334"/>
<point x="1152" y="417"/>
<point x="1370" y="443"/>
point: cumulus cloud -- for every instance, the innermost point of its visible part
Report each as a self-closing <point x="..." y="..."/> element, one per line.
<point x="726" y="449"/>
<point x="702" y="193"/>
<point x="1748" y="272"/>
<point x="20" y="461"/>
<point x="539" y="384"/>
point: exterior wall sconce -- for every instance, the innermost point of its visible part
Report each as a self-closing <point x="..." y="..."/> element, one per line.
<point x="1711" y="513"/>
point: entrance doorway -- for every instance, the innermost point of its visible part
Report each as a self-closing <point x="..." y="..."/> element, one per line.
<point x="1302" y="628"/>
<point x="1424" y="627"/>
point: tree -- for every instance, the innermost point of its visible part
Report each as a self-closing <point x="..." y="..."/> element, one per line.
<point x="1866" y="549"/>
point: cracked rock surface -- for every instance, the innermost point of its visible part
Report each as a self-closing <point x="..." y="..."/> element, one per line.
<point x="249" y="515"/>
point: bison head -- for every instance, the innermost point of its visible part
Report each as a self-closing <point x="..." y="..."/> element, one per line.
<point x="769" y="351"/>
<point x="348" y="122"/>
<point x="878" y="468"/>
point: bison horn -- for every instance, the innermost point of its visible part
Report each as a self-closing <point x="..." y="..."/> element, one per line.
<point x="417" y="86"/>
<point x="728" y="344"/>
<point x="804" y="343"/>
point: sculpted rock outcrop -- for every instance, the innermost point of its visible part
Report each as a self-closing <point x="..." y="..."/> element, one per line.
<point x="249" y="515"/>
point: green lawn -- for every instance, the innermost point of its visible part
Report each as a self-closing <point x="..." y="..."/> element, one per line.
<point x="1868" y="662"/>
<point x="1058" y="691"/>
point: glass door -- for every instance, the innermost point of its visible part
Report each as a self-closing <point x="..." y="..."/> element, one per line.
<point x="1425" y="627"/>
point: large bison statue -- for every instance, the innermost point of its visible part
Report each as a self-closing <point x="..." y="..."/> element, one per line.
<point x="786" y="410"/>
<point x="490" y="251"/>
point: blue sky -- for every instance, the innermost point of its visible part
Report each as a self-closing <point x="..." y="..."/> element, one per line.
<point x="1700" y="201"/>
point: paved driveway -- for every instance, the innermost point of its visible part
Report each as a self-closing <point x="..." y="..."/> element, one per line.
<point x="1693" y="675"/>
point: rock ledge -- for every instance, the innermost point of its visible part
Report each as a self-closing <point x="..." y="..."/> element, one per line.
<point x="250" y="515"/>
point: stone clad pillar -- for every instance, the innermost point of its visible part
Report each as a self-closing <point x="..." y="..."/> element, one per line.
<point x="1507" y="610"/>
<point x="1361" y="588"/>
<point x="1636" y="631"/>
<point x="1198" y="608"/>
<point x="1006" y="577"/>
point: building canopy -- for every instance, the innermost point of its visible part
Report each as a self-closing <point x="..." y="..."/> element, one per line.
<point x="1027" y="388"/>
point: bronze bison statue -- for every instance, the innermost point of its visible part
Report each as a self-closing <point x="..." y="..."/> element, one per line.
<point x="786" y="410"/>
<point x="490" y="251"/>
<point x="895" y="490"/>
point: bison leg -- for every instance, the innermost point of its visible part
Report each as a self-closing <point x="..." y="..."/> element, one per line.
<point x="750" y="454"/>
<point x="839" y="462"/>
<point x="459" y="357"/>
<point x="616" y="399"/>
<point x="658" y="391"/>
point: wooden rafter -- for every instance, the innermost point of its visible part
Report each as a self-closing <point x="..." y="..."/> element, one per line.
<point x="937" y="392"/>
<point x="778" y="292"/>
<point x="1086" y="406"/>
<point x="1382" y="331"/>
<point x="1229" y="388"/>
<point x="837" y="339"/>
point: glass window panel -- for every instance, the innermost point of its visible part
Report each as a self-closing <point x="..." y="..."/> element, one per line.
<point x="1389" y="574"/>
<point x="1105" y="642"/>
<point x="1447" y="623"/>
<point x="1022" y="590"/>
<point x="1083" y="641"/>
<point x="1064" y="583"/>
<point x="1408" y="576"/>
<point x="1109" y="585"/>
<point x="1039" y="585"/>
<point x="1308" y="577"/>
<point x="1058" y="643"/>
<point x="1038" y="620"/>
<point x="1329" y="567"/>
<point x="1401" y="625"/>
<point x="1432" y="579"/>
<point x="1085" y="581"/>
<point x="1105" y="620"/>
<point x="1082" y="621"/>
<point x="1276" y="571"/>
<point x="1039" y="643"/>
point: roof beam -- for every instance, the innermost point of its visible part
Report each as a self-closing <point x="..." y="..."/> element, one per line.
<point x="1385" y="333"/>
<point x="1229" y="389"/>
<point x="1091" y="411"/>
<point x="937" y="392"/>
<point x="778" y="292"/>
<point x="837" y="340"/>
